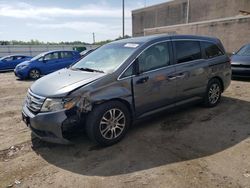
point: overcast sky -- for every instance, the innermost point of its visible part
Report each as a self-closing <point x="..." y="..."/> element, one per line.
<point x="65" y="20"/>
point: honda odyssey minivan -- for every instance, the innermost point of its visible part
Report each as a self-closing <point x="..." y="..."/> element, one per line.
<point x="123" y="81"/>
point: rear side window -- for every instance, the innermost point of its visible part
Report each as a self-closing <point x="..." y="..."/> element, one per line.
<point x="187" y="51"/>
<point x="154" y="57"/>
<point x="19" y="57"/>
<point x="211" y="50"/>
<point x="66" y="55"/>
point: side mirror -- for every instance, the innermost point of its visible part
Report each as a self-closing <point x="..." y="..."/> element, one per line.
<point x="45" y="61"/>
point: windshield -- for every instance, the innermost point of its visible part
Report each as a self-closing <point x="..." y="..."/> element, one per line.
<point x="244" y="51"/>
<point x="37" y="57"/>
<point x="107" y="58"/>
<point x="2" y="58"/>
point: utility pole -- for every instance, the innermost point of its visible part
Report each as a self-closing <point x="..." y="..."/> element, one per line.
<point x="145" y="3"/>
<point x="123" y="21"/>
<point x="93" y="38"/>
<point x="188" y="5"/>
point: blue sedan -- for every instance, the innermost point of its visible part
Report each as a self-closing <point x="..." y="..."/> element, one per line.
<point x="8" y="63"/>
<point x="46" y="63"/>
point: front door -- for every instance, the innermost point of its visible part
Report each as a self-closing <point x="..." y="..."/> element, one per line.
<point x="154" y="85"/>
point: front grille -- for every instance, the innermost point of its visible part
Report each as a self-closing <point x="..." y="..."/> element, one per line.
<point x="34" y="102"/>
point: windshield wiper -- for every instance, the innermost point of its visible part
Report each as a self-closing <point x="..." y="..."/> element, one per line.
<point x="89" y="70"/>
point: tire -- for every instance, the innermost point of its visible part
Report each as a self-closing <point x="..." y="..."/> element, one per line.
<point x="34" y="74"/>
<point x="102" y="129"/>
<point x="213" y="93"/>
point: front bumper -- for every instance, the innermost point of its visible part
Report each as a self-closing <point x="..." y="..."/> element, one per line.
<point x="240" y="71"/>
<point x="20" y="73"/>
<point x="48" y="126"/>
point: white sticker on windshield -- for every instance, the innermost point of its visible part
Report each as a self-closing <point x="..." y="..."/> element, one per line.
<point x="131" y="45"/>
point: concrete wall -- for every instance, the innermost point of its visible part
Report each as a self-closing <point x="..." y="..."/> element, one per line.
<point x="201" y="10"/>
<point x="170" y="13"/>
<point x="175" y="12"/>
<point x="233" y="32"/>
<point x="34" y="50"/>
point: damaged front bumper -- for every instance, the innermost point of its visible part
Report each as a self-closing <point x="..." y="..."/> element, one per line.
<point x="50" y="126"/>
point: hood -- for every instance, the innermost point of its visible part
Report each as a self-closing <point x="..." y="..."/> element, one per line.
<point x="240" y="60"/>
<point x="26" y="63"/>
<point x="61" y="82"/>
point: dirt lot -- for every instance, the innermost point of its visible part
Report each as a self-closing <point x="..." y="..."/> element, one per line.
<point x="193" y="147"/>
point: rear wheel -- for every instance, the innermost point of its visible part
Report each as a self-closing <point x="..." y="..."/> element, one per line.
<point x="213" y="93"/>
<point x="108" y="123"/>
<point x="34" y="74"/>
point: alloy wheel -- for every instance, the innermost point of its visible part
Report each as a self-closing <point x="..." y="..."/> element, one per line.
<point x="214" y="93"/>
<point x="112" y="124"/>
<point x="34" y="74"/>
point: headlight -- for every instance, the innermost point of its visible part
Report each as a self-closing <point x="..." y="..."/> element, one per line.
<point x="51" y="105"/>
<point x="22" y="66"/>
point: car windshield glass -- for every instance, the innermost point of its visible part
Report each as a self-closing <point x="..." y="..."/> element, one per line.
<point x="244" y="51"/>
<point x="37" y="57"/>
<point x="2" y="58"/>
<point x="106" y="58"/>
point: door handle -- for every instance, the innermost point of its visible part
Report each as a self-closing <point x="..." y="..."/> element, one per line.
<point x="181" y="75"/>
<point x="142" y="80"/>
<point x="171" y="77"/>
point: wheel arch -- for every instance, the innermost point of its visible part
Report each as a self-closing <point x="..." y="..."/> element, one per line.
<point x="220" y="80"/>
<point x="123" y="101"/>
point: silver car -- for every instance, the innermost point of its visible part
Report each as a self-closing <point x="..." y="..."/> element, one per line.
<point x="123" y="81"/>
<point x="241" y="62"/>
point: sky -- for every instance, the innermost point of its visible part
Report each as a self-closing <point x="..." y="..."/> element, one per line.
<point x="66" y="20"/>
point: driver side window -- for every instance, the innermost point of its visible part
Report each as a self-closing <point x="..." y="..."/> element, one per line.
<point x="156" y="56"/>
<point x="51" y="56"/>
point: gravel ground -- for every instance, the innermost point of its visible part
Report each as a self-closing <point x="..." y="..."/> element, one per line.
<point x="191" y="147"/>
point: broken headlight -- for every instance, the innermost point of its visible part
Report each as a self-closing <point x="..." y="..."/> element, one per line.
<point x="51" y="105"/>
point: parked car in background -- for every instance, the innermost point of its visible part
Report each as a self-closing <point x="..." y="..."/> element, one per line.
<point x="241" y="62"/>
<point x="86" y="52"/>
<point x="46" y="63"/>
<point x="126" y="80"/>
<point x="8" y="63"/>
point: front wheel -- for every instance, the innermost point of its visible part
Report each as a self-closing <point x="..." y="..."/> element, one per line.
<point x="213" y="93"/>
<point x="34" y="74"/>
<point x="108" y="123"/>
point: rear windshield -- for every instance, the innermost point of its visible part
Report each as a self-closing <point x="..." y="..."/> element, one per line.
<point x="244" y="51"/>
<point x="108" y="57"/>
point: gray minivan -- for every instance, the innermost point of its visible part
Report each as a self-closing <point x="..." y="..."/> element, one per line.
<point x="123" y="81"/>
